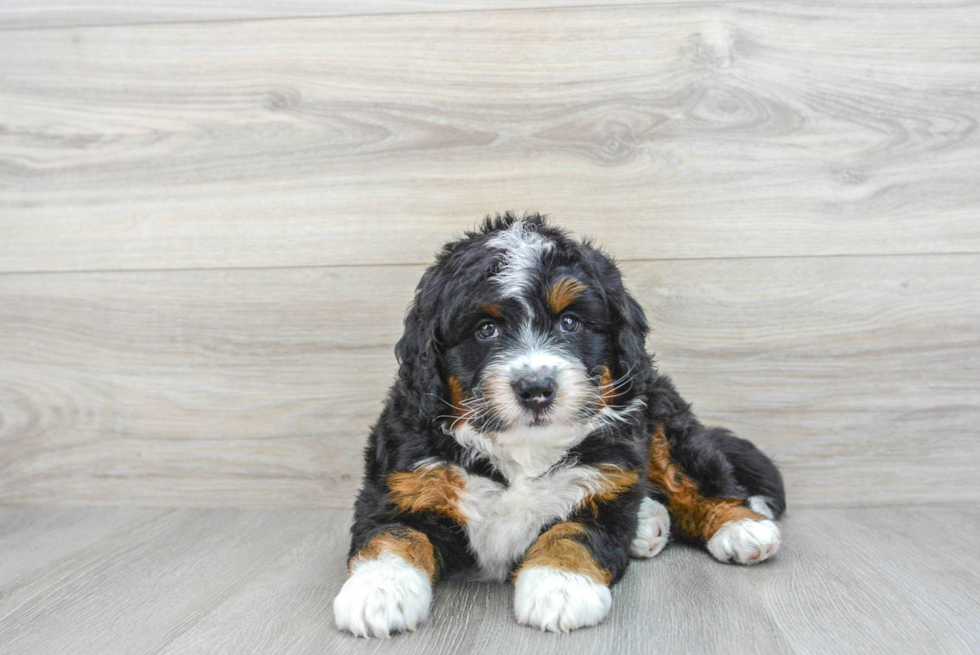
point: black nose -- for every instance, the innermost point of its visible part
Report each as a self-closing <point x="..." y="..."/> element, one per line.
<point x="535" y="392"/>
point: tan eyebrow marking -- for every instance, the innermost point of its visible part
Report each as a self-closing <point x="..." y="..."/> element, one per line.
<point x="563" y="293"/>
<point x="493" y="309"/>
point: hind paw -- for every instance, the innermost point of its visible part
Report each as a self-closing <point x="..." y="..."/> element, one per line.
<point x="747" y="541"/>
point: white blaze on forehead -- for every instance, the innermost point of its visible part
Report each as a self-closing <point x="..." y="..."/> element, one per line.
<point x="522" y="247"/>
<point x="534" y="351"/>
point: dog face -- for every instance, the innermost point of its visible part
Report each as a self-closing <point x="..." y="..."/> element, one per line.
<point x="518" y="332"/>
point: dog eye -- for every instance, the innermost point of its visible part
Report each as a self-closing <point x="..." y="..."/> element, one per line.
<point x="568" y="323"/>
<point x="487" y="330"/>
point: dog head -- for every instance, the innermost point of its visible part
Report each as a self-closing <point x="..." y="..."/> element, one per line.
<point x="518" y="331"/>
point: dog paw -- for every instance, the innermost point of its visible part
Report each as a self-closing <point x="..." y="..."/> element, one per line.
<point x="746" y="542"/>
<point x="559" y="601"/>
<point x="652" y="530"/>
<point x="383" y="596"/>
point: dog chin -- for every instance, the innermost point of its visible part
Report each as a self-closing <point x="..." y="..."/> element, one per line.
<point x="517" y="420"/>
<point x="543" y="430"/>
<point x="539" y="421"/>
<point x="522" y="451"/>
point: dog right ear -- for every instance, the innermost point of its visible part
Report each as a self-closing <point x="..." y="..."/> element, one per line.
<point x="418" y="354"/>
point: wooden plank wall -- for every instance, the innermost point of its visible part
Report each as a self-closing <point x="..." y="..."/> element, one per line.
<point x="211" y="222"/>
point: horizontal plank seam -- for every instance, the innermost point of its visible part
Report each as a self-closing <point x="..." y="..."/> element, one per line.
<point x="620" y="260"/>
<point x="245" y="19"/>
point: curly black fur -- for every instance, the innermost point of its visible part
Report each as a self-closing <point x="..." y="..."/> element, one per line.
<point x="413" y="425"/>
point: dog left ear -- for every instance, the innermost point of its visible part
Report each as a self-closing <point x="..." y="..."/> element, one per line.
<point x="419" y="370"/>
<point x="631" y="336"/>
<point x="628" y="322"/>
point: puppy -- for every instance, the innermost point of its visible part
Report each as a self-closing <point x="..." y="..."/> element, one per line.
<point x="529" y="437"/>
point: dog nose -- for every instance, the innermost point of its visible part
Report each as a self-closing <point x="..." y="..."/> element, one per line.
<point x="535" y="391"/>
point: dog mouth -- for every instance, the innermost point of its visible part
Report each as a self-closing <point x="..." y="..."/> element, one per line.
<point x="540" y="419"/>
<point x="521" y="397"/>
<point x="489" y="414"/>
<point x="495" y="416"/>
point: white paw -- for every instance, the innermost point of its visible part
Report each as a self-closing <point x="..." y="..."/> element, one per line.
<point x="559" y="601"/>
<point x="747" y="541"/>
<point x="652" y="531"/>
<point x="383" y="596"/>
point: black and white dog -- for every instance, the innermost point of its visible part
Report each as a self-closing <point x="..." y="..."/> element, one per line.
<point x="529" y="436"/>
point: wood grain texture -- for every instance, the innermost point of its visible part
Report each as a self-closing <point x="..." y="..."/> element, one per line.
<point x="257" y="387"/>
<point x="46" y="14"/>
<point x="673" y="131"/>
<point x="857" y="375"/>
<point x="227" y="581"/>
<point x="173" y="388"/>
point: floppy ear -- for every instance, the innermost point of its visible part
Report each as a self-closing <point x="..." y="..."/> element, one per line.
<point x="629" y="324"/>
<point x="419" y="371"/>
<point x="630" y="337"/>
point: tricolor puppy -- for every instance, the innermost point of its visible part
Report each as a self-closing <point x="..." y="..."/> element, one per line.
<point x="529" y="438"/>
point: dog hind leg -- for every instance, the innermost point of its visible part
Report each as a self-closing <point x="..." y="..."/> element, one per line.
<point x="729" y="527"/>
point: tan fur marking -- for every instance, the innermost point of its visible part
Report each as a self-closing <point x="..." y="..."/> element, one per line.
<point x="433" y="489"/>
<point x="456" y="396"/>
<point x="695" y="515"/>
<point x="607" y="393"/>
<point x="559" y="548"/>
<point x="493" y="309"/>
<point x="563" y="293"/>
<point x="411" y="545"/>
<point x="614" y="481"/>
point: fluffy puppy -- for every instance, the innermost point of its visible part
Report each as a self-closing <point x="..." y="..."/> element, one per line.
<point x="529" y="437"/>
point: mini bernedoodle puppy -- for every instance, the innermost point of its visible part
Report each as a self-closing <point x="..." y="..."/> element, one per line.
<point x="529" y="437"/>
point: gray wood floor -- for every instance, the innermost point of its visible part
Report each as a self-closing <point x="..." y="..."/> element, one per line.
<point x="122" y="580"/>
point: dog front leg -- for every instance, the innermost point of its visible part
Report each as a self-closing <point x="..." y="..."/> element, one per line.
<point x="564" y="581"/>
<point x="389" y="585"/>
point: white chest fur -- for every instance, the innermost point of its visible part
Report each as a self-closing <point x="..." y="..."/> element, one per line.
<point x="503" y="521"/>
